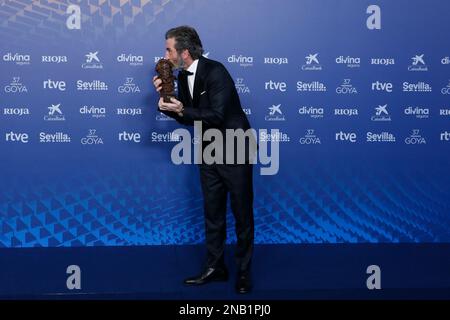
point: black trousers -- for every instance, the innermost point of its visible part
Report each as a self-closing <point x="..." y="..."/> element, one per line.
<point x="217" y="181"/>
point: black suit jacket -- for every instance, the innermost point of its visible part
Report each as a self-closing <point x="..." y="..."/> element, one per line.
<point x="215" y="100"/>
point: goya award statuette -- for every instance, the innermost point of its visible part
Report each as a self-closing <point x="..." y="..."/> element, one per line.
<point x="165" y="73"/>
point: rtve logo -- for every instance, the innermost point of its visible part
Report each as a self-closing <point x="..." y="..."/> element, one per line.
<point x="382" y="86"/>
<point x="272" y="85"/>
<point x="130" y="136"/>
<point x="16" y="137"/>
<point x="58" y="85"/>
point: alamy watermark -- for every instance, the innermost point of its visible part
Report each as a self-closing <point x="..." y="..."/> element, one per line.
<point x="239" y="146"/>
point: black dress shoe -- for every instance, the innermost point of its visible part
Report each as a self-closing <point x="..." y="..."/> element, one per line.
<point x="243" y="283"/>
<point x="210" y="274"/>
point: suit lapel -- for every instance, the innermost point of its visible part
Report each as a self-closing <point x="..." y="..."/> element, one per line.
<point x="198" y="82"/>
<point x="184" y="87"/>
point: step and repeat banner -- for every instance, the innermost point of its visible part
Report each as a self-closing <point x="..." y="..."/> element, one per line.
<point x="356" y="93"/>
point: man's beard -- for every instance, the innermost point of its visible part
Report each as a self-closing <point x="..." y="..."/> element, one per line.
<point x="180" y="63"/>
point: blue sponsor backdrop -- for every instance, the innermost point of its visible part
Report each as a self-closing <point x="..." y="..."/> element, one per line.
<point x="92" y="167"/>
<point x="360" y="94"/>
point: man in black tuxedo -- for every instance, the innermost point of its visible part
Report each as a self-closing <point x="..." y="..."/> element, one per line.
<point x="207" y="93"/>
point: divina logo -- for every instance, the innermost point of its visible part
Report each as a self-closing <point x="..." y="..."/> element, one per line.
<point x="313" y="112"/>
<point x="350" y="62"/>
<point x="243" y="61"/>
<point x="445" y="60"/>
<point x="17" y="58"/>
<point x="130" y="59"/>
<point x="273" y="60"/>
<point x="95" y="112"/>
<point x="418" y="112"/>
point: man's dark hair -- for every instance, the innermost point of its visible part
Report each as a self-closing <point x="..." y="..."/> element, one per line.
<point x="186" y="38"/>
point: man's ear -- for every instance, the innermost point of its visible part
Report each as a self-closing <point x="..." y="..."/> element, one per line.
<point x="185" y="54"/>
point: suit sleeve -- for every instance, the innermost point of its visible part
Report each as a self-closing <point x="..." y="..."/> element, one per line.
<point x="219" y="86"/>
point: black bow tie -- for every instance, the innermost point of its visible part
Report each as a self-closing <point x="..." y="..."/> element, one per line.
<point x="186" y="73"/>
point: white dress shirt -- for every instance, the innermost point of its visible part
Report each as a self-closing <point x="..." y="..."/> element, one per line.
<point x="191" y="78"/>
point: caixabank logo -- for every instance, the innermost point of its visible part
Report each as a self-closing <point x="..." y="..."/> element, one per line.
<point x="418" y="63"/>
<point x="54" y="113"/>
<point x="92" y="61"/>
<point x="312" y="63"/>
